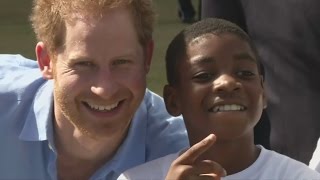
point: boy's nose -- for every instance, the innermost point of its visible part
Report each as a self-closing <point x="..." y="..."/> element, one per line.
<point x="105" y="85"/>
<point x="226" y="83"/>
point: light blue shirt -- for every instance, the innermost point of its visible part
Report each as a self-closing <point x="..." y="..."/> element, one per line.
<point x="26" y="131"/>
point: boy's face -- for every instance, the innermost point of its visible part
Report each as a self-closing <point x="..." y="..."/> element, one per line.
<point x="220" y="90"/>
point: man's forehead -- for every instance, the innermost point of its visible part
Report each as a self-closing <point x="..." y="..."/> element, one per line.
<point x="91" y="17"/>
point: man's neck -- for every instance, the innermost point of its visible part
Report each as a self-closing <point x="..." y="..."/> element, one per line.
<point x="81" y="152"/>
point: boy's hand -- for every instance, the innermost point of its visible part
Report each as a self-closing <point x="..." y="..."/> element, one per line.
<point x="186" y="166"/>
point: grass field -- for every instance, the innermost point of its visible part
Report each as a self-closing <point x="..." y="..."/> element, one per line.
<point x="17" y="37"/>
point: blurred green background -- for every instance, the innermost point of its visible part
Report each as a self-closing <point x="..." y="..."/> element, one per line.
<point x="17" y="37"/>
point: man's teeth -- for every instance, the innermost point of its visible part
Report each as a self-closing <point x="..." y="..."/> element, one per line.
<point x="103" y="108"/>
<point x="232" y="107"/>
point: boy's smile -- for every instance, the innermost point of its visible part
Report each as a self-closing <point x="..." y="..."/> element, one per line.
<point x="226" y="108"/>
<point x="219" y="88"/>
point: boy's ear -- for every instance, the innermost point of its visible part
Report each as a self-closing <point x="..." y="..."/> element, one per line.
<point x="44" y="61"/>
<point x="265" y="100"/>
<point x="264" y="94"/>
<point x="148" y="54"/>
<point x="171" y="100"/>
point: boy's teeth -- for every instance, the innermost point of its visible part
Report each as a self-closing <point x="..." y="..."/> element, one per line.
<point x="103" y="108"/>
<point x="232" y="107"/>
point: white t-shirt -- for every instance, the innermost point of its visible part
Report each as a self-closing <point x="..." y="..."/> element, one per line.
<point x="270" y="165"/>
<point x="315" y="160"/>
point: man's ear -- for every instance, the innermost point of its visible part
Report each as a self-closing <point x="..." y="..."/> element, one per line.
<point x="44" y="62"/>
<point x="171" y="100"/>
<point x="148" y="54"/>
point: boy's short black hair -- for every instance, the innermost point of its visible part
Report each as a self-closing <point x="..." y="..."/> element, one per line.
<point x="177" y="48"/>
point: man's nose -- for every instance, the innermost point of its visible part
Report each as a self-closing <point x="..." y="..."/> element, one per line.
<point x="105" y="84"/>
<point x="226" y="83"/>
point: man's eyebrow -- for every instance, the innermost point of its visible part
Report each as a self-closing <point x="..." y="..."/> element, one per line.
<point x="244" y="56"/>
<point x="79" y="58"/>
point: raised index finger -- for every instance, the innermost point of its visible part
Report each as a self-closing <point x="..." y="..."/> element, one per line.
<point x="191" y="155"/>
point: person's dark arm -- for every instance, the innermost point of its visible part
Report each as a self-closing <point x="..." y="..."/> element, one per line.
<point x="225" y="9"/>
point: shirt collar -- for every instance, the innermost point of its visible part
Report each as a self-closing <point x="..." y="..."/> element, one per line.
<point x="133" y="150"/>
<point x="38" y="124"/>
<point x="39" y="127"/>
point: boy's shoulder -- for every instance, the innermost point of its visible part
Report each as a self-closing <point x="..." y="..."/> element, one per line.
<point x="273" y="165"/>
<point x="157" y="168"/>
<point x="269" y="165"/>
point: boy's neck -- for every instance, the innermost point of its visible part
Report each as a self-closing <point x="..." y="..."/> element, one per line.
<point x="233" y="156"/>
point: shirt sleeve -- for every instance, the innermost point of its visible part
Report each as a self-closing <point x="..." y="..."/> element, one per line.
<point x="152" y="170"/>
<point x="165" y="134"/>
<point x="315" y="160"/>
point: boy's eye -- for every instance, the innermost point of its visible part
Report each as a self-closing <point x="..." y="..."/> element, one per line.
<point x="203" y="76"/>
<point x="245" y="73"/>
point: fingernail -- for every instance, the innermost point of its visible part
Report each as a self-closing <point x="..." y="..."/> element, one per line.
<point x="224" y="173"/>
<point x="210" y="136"/>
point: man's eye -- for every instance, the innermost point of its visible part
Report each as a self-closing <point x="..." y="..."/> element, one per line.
<point x="84" y="64"/>
<point x="121" y="61"/>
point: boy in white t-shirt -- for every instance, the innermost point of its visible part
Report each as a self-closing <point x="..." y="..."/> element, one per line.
<point x="215" y="80"/>
<point x="315" y="160"/>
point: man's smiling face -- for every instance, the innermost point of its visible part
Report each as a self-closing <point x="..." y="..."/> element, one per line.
<point x="100" y="75"/>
